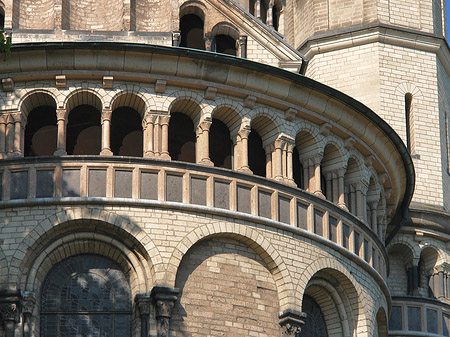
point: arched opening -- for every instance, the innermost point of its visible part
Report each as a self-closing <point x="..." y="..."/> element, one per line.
<point x="402" y="279"/>
<point x="352" y="179"/>
<point x="256" y="154"/>
<point x="432" y="281"/>
<point x="330" y="164"/>
<point x="84" y="131"/>
<point x="191" y="28"/>
<point x="332" y="302"/>
<point x="2" y="18"/>
<point x="86" y="295"/>
<point x="382" y="327"/>
<point x="275" y="16"/>
<point x="408" y="119"/>
<point x="220" y="145"/>
<point x="297" y="168"/>
<point x="224" y="44"/>
<point x="182" y="137"/>
<point x="41" y="132"/>
<point x="239" y="276"/>
<point x="373" y="196"/>
<point x="306" y="147"/>
<point x="126" y="132"/>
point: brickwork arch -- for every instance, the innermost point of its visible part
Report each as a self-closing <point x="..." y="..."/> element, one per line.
<point x="107" y="223"/>
<point x="35" y="98"/>
<point x="87" y="96"/>
<point x="248" y="236"/>
<point x="131" y="99"/>
<point x="346" y="283"/>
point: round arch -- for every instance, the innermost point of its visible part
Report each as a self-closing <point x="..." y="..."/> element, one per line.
<point x="249" y="237"/>
<point x="36" y="98"/>
<point x="132" y="100"/>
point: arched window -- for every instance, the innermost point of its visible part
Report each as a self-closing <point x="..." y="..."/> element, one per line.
<point x="86" y="295"/>
<point x="297" y="167"/>
<point x="408" y="118"/>
<point x="191" y="27"/>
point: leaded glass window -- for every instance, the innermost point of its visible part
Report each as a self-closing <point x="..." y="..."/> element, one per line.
<point x="86" y="296"/>
<point x="315" y="325"/>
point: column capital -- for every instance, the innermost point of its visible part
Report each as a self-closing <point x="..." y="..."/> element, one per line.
<point x="176" y="38"/>
<point x="61" y="114"/>
<point x="10" y="305"/>
<point x="291" y="322"/>
<point x="164" y="299"/>
<point x="143" y="302"/>
<point x="29" y="302"/>
<point x="106" y="115"/>
<point x="203" y="126"/>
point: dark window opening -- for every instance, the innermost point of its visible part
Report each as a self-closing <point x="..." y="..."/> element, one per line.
<point x="191" y="27"/>
<point x="315" y="325"/>
<point x="126" y="133"/>
<point x="298" y="169"/>
<point x="275" y="17"/>
<point x="408" y="112"/>
<point x="182" y="138"/>
<point x="256" y="154"/>
<point x="225" y="44"/>
<point x="220" y="145"/>
<point x="84" y="131"/>
<point x="41" y="132"/>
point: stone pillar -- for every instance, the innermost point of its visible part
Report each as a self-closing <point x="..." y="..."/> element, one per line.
<point x="291" y="322"/>
<point x="317" y="185"/>
<point x="10" y="307"/>
<point x="148" y="127"/>
<point x="242" y="150"/>
<point x="106" y="133"/>
<point x="9" y="135"/>
<point x="176" y="38"/>
<point x="163" y="299"/>
<point x="269" y="151"/>
<point x="329" y="185"/>
<point x="269" y="16"/>
<point x="202" y="146"/>
<point x="277" y="165"/>
<point x="208" y="42"/>
<point x="143" y="302"/>
<point x="19" y="122"/>
<point x="289" y="164"/>
<point x="29" y="302"/>
<point x="61" y="137"/>
<point x="2" y="136"/>
<point x="341" y="197"/>
<point x="243" y="45"/>
<point x="165" y="136"/>
<point x="257" y="9"/>
<point x="335" y="186"/>
<point x="374" y="216"/>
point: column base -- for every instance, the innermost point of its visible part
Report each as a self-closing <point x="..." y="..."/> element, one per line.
<point x="206" y="161"/>
<point x="165" y="156"/>
<point x="60" y="152"/>
<point x="245" y="169"/>
<point x="343" y="206"/>
<point x="106" y="152"/>
<point x="320" y="194"/>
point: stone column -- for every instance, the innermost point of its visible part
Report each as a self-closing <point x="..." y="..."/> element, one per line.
<point x="243" y="45"/>
<point x="341" y="195"/>
<point x="61" y="137"/>
<point x="257" y="9"/>
<point x="19" y="121"/>
<point x="269" y="19"/>
<point x="208" y="42"/>
<point x="10" y="307"/>
<point x="202" y="146"/>
<point x="317" y="185"/>
<point x="164" y="299"/>
<point x="176" y="38"/>
<point x="291" y="322"/>
<point x="278" y="157"/>
<point x="148" y="126"/>
<point x="329" y="185"/>
<point x="106" y="133"/>
<point x="157" y="136"/>
<point x="165" y="136"/>
<point x="143" y="302"/>
<point x="242" y="147"/>
<point x="269" y="169"/>
<point x="29" y="302"/>
<point x="374" y="216"/>
<point x="2" y="136"/>
<point x="335" y="184"/>
<point x="9" y="135"/>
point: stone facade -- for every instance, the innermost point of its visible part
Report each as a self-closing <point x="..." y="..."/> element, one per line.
<point x="183" y="192"/>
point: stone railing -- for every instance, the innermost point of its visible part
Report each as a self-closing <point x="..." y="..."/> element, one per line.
<point x="159" y="183"/>
<point x="416" y="316"/>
